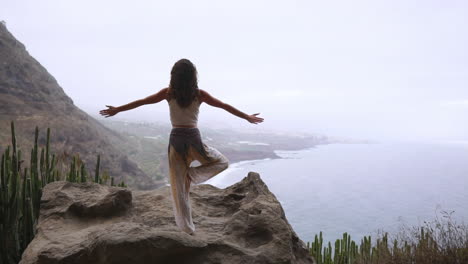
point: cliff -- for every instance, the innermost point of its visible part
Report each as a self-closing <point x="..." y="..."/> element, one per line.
<point x="31" y="97"/>
<point x="91" y="223"/>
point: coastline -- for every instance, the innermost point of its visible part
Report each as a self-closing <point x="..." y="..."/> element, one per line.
<point x="279" y="154"/>
<point x="218" y="179"/>
<point x="236" y="156"/>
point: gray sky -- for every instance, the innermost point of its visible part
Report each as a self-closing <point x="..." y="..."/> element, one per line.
<point x="362" y="69"/>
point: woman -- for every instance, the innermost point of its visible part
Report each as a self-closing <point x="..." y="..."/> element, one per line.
<point x="185" y="144"/>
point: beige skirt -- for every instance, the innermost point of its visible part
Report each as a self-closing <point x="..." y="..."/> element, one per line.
<point x="185" y="146"/>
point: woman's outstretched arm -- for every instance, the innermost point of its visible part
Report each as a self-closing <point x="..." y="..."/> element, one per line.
<point x="152" y="99"/>
<point x="207" y="98"/>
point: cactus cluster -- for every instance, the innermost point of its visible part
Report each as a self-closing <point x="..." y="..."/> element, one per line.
<point x="21" y="191"/>
<point x="346" y="250"/>
<point x="422" y="247"/>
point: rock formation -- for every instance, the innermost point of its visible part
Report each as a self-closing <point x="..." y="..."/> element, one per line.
<point x="31" y="97"/>
<point x="91" y="223"/>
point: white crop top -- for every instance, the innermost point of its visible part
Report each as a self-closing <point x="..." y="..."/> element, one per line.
<point x="184" y="116"/>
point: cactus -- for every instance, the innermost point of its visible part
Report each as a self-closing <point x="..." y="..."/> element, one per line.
<point x="21" y="191"/>
<point x="316" y="249"/>
<point x="98" y="163"/>
<point x="84" y="175"/>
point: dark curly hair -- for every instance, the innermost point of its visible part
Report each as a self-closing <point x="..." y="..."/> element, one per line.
<point x="184" y="84"/>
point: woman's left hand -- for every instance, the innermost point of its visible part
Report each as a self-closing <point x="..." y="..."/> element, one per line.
<point x="254" y="119"/>
<point x="110" y="111"/>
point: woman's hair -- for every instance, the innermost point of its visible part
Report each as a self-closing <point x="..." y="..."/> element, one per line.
<point x="184" y="84"/>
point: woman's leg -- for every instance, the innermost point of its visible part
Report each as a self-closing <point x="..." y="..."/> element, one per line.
<point x="213" y="164"/>
<point x="180" y="188"/>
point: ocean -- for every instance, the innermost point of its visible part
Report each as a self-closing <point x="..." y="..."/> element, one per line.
<point x="362" y="189"/>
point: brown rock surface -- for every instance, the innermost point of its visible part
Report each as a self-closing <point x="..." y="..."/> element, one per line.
<point x="91" y="223"/>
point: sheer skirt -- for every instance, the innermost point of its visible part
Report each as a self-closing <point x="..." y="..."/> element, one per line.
<point x="185" y="146"/>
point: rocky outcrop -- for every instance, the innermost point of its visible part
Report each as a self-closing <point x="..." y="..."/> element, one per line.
<point x="91" y="223"/>
<point x="30" y="96"/>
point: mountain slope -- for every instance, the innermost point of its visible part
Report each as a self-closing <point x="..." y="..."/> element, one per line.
<point x="31" y="97"/>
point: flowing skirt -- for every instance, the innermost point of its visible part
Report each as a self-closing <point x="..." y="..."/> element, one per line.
<point x="185" y="146"/>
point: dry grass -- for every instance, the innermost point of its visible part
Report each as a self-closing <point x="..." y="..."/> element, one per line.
<point x="442" y="240"/>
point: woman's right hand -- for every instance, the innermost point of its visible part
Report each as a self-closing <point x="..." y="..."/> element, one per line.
<point x="254" y="119"/>
<point x="110" y="111"/>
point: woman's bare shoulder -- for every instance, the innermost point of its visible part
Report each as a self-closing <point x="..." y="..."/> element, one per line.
<point x="203" y="95"/>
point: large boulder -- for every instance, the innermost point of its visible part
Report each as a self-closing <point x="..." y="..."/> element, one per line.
<point x="92" y="223"/>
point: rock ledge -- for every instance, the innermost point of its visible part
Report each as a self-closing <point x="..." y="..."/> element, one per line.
<point x="91" y="223"/>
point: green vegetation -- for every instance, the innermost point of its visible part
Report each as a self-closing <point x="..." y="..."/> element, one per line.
<point x="149" y="153"/>
<point x="440" y="241"/>
<point x="21" y="190"/>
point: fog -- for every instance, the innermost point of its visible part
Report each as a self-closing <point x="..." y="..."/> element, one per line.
<point x="382" y="70"/>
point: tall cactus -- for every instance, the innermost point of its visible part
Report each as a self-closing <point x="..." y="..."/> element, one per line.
<point x="98" y="163"/>
<point x="84" y="175"/>
<point x="21" y="191"/>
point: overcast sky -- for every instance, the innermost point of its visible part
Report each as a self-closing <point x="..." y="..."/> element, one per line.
<point x="361" y="69"/>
